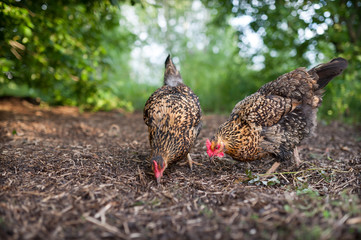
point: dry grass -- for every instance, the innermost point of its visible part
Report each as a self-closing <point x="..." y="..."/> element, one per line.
<point x="66" y="175"/>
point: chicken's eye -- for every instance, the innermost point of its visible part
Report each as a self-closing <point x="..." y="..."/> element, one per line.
<point x="217" y="147"/>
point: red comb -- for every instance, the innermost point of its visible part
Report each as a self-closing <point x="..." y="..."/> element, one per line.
<point x="208" y="143"/>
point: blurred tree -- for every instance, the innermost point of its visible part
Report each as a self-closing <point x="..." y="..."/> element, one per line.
<point x="56" y="50"/>
<point x="106" y="54"/>
<point x="206" y="55"/>
<point x="297" y="33"/>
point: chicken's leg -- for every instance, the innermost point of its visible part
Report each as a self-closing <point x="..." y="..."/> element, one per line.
<point x="296" y="156"/>
<point x="190" y="162"/>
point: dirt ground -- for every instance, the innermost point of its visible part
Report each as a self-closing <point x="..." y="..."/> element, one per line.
<point x="71" y="175"/>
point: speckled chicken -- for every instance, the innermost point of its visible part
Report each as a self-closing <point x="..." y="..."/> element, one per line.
<point x="275" y="119"/>
<point x="173" y="116"/>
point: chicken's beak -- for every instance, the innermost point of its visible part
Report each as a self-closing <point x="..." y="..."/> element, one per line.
<point x="158" y="179"/>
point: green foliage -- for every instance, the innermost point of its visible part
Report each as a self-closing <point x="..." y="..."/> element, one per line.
<point x="56" y="49"/>
<point x="218" y="78"/>
<point x="221" y="72"/>
<point x="82" y="52"/>
<point x="258" y="180"/>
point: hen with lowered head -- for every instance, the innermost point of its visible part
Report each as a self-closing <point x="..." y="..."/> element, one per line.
<point x="275" y="119"/>
<point x="173" y="116"/>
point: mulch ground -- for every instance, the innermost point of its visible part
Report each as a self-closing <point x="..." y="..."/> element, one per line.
<point x="71" y="175"/>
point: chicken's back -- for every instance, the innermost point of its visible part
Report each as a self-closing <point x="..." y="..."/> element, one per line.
<point x="173" y="117"/>
<point x="304" y="88"/>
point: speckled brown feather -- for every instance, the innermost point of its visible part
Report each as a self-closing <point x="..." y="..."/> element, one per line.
<point x="279" y="115"/>
<point x="173" y="116"/>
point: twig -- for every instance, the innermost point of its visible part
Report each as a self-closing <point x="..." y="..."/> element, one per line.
<point x="284" y="178"/>
<point x="106" y="226"/>
<point x="141" y="176"/>
<point x="101" y="213"/>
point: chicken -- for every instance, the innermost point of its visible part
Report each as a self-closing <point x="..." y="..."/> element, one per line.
<point x="275" y="119"/>
<point x="173" y="116"/>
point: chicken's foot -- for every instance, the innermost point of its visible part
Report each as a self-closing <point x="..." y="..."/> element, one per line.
<point x="190" y="162"/>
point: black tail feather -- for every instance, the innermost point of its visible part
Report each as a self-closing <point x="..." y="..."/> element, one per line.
<point x="327" y="71"/>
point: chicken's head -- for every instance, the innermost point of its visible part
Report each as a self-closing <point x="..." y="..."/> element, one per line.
<point x="158" y="167"/>
<point x="215" y="148"/>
